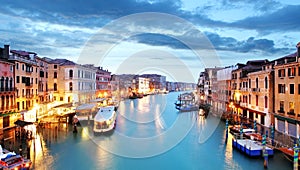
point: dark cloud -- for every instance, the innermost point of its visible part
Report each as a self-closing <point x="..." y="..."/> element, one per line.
<point x="250" y="45"/>
<point x="284" y="19"/>
<point x="81" y="12"/>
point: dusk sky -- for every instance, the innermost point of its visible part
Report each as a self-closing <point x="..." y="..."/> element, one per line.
<point x="238" y="30"/>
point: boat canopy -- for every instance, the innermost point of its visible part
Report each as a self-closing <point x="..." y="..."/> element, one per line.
<point x="86" y="107"/>
<point x="105" y="113"/>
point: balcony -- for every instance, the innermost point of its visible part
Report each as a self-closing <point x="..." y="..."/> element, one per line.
<point x="291" y="113"/>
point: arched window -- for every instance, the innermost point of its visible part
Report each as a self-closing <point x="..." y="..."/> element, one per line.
<point x="55" y="75"/>
<point x="70" y="86"/>
<point x="55" y="87"/>
<point x="266" y="82"/>
<point x="2" y="84"/>
<point x="266" y="102"/>
<point x="6" y="84"/>
<point x="11" y="84"/>
<point x="256" y="82"/>
<point x="71" y="73"/>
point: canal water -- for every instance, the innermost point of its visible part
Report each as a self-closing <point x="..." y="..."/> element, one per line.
<point x="150" y="134"/>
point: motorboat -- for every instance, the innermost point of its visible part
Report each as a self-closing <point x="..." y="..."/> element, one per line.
<point x="105" y="119"/>
<point x="11" y="160"/>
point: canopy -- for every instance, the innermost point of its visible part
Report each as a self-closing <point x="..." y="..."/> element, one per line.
<point x="22" y="123"/>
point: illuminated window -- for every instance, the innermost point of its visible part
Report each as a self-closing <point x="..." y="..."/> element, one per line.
<point x="291" y="107"/>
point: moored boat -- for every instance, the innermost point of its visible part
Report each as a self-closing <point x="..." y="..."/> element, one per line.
<point x="289" y="154"/>
<point x="105" y="119"/>
<point x="11" y="160"/>
<point x="250" y="147"/>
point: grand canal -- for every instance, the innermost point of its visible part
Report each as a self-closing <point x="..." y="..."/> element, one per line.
<point x="150" y="134"/>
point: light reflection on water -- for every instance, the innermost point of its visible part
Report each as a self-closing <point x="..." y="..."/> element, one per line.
<point x="65" y="150"/>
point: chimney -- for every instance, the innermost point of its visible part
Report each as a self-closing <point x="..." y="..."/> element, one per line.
<point x="6" y="52"/>
<point x="298" y="50"/>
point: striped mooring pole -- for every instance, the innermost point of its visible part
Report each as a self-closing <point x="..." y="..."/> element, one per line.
<point x="265" y="152"/>
<point x="226" y="130"/>
<point x="296" y="150"/>
<point x="255" y="127"/>
<point x="241" y="131"/>
<point x="272" y="134"/>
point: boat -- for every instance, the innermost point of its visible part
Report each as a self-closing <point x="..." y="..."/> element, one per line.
<point x="188" y="108"/>
<point x="187" y="102"/>
<point x="250" y="147"/>
<point x="236" y="128"/>
<point x="289" y="154"/>
<point x="86" y="111"/>
<point x="11" y="160"/>
<point x="105" y="119"/>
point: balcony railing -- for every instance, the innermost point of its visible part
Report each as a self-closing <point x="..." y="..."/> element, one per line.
<point x="255" y="89"/>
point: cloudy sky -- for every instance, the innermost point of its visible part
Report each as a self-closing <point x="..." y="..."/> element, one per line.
<point x="157" y="35"/>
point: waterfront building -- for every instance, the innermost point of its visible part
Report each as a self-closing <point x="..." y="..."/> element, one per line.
<point x="157" y="83"/>
<point x="245" y="101"/>
<point x="223" y="89"/>
<point x="260" y="95"/>
<point x="72" y="83"/>
<point x="103" y="88"/>
<point x="26" y="77"/>
<point x="141" y="85"/>
<point x="287" y="92"/>
<point x="8" y="107"/>
<point x="170" y="86"/>
<point x="208" y="85"/>
<point x="121" y="85"/>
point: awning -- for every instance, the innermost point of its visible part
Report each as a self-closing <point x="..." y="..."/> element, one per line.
<point x="22" y="123"/>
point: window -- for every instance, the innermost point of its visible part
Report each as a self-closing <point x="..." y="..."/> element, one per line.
<point x="71" y="73"/>
<point x="35" y="80"/>
<point x="291" y="72"/>
<point x="46" y="74"/>
<point x="18" y="79"/>
<point x="54" y="98"/>
<point x="256" y="98"/>
<point x="23" y="67"/>
<point x="291" y="88"/>
<point x="298" y="88"/>
<point x="249" y="99"/>
<point x="266" y="102"/>
<point x="17" y="66"/>
<point x="55" y="66"/>
<point x="291" y="107"/>
<point x="281" y="107"/>
<point x="249" y="83"/>
<point x="281" y="73"/>
<point x="281" y="88"/>
<point x="71" y="86"/>
<point x="256" y="81"/>
<point x="61" y="99"/>
<point x="55" y="75"/>
<point x="55" y="87"/>
<point x="266" y="82"/>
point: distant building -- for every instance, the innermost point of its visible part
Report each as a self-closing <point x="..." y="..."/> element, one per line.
<point x="223" y="88"/>
<point x="103" y="88"/>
